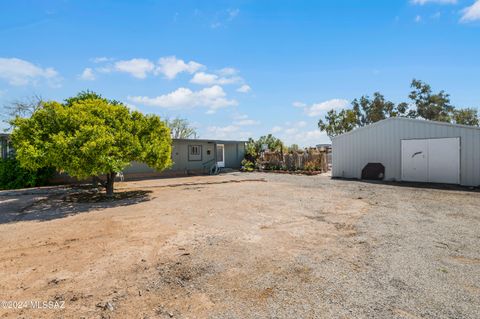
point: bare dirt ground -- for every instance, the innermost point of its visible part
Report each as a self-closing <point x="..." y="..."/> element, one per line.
<point x="243" y="246"/>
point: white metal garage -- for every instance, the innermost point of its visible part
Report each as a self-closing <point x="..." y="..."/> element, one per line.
<point x="411" y="150"/>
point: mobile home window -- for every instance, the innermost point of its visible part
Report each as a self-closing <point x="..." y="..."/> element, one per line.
<point x="194" y="152"/>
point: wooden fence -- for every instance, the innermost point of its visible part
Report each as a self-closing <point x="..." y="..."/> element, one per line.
<point x="311" y="159"/>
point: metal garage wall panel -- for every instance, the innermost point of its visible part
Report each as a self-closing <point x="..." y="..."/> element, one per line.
<point x="381" y="142"/>
<point x="444" y="160"/>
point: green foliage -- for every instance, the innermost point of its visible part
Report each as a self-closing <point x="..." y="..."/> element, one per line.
<point x="90" y="136"/>
<point x="254" y="148"/>
<point x="312" y="166"/>
<point x="251" y="150"/>
<point x="13" y="176"/>
<point x="247" y="166"/>
<point x="435" y="107"/>
<point x="181" y="128"/>
<point x="338" y="123"/>
<point x="368" y="110"/>
<point x="466" y="116"/>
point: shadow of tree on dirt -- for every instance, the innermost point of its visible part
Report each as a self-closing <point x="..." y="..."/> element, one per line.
<point x="63" y="205"/>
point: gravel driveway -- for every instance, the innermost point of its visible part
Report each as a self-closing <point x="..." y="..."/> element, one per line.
<point x="246" y="246"/>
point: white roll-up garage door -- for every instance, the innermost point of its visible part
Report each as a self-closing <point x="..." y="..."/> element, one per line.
<point x="431" y="160"/>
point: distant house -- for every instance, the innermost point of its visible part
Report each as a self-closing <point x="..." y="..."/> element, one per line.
<point x="189" y="156"/>
<point x="195" y="157"/>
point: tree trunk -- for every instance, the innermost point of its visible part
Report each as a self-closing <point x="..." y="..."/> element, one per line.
<point x="109" y="184"/>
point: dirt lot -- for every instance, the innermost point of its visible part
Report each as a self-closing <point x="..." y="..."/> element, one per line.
<point x="243" y="246"/>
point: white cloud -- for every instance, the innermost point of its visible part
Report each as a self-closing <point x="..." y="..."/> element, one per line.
<point x="87" y="75"/>
<point x="171" y="66"/>
<point x="223" y="17"/>
<point x="299" y="104"/>
<point x="20" y="72"/>
<point x="138" y="68"/>
<point x="227" y="71"/>
<point x="244" y="88"/>
<point x="277" y="129"/>
<point x="301" y="124"/>
<point x="229" y="132"/>
<point x="418" y="19"/>
<point x="422" y="2"/>
<point x="471" y="13"/>
<point x="318" y="108"/>
<point x="300" y="132"/>
<point x="203" y="78"/>
<point x="246" y="122"/>
<point x="212" y="98"/>
<point x="304" y="138"/>
<point x="132" y="107"/>
<point x="101" y="59"/>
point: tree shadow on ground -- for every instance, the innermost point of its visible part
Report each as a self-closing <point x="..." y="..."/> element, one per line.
<point x="63" y="205"/>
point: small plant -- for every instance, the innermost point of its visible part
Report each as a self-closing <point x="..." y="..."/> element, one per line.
<point x="311" y="166"/>
<point x="248" y="166"/>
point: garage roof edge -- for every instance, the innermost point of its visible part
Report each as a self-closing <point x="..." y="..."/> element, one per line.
<point x="406" y="119"/>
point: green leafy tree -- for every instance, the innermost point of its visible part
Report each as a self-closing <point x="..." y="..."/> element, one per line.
<point x="181" y="128"/>
<point x="367" y="110"/>
<point x="254" y="147"/>
<point x="337" y="123"/>
<point x="435" y="107"/>
<point x="371" y="110"/>
<point x="90" y="136"/>
<point x="364" y="111"/>
<point x="467" y="116"/>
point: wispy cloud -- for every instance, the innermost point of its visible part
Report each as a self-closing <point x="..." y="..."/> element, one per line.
<point x="471" y="13"/>
<point x="223" y="17"/>
<point x="423" y="2"/>
<point x="204" y="78"/>
<point x="244" y="120"/>
<point x="300" y="132"/>
<point x="318" y="108"/>
<point x="19" y="72"/>
<point x="213" y="98"/>
<point x="244" y="88"/>
<point x="101" y="59"/>
<point x="87" y="75"/>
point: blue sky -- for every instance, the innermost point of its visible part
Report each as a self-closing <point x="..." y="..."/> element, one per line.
<point x="239" y="69"/>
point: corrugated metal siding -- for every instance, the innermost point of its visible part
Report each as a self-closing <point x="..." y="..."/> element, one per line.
<point x="381" y="143"/>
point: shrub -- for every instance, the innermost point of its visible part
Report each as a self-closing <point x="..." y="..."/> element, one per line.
<point x="13" y="176"/>
<point x="247" y="166"/>
<point x="311" y="166"/>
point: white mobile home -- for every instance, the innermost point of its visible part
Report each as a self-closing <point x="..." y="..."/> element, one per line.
<point x="411" y="150"/>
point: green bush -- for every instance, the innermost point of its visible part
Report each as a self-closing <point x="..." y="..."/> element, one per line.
<point x="248" y="166"/>
<point x="13" y="176"/>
